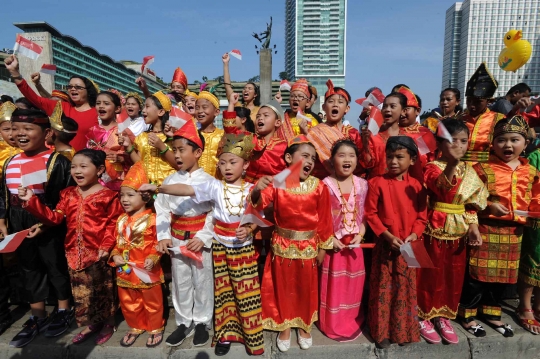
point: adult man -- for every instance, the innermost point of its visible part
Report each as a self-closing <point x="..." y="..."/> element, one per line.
<point x="507" y="103"/>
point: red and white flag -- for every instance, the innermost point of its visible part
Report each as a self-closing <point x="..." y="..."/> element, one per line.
<point x="284" y="86"/>
<point x="123" y="120"/>
<point x="443" y="132"/>
<point x="415" y="255"/>
<point x="178" y="118"/>
<point x="375" y="98"/>
<point x="300" y="115"/>
<point x="236" y="53"/>
<point x="143" y="274"/>
<point x="12" y="242"/>
<point x="33" y="172"/>
<point x="183" y="250"/>
<point x="251" y="215"/>
<point x="375" y="120"/>
<point x="48" y="69"/>
<point x="147" y="61"/>
<point x="527" y="214"/>
<point x="426" y="144"/>
<point x="289" y="177"/>
<point x="27" y="48"/>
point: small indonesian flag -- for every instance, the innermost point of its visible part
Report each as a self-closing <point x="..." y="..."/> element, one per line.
<point x="27" y="48"/>
<point x="33" y="172"/>
<point x="443" y="132"/>
<point x="300" y="116"/>
<point x="415" y="255"/>
<point x="426" y="143"/>
<point x="143" y="274"/>
<point x="289" y="177"/>
<point x="147" y="61"/>
<point x="123" y="120"/>
<point x="48" y="69"/>
<point x="251" y="215"/>
<point x="375" y="98"/>
<point x="183" y="250"/>
<point x="375" y="120"/>
<point x="12" y="242"/>
<point x="284" y="86"/>
<point x="527" y="214"/>
<point x="236" y="53"/>
<point x="178" y="118"/>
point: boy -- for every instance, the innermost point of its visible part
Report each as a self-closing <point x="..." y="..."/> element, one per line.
<point x="182" y="222"/>
<point x="206" y="111"/>
<point x="396" y="211"/>
<point x="63" y="130"/>
<point x="41" y="256"/>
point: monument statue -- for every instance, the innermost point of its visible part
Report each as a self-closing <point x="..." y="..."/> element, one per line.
<point x="265" y="35"/>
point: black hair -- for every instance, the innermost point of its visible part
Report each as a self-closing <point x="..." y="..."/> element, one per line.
<point x="91" y="91"/>
<point x="114" y="97"/>
<point x="395" y="88"/>
<point x="393" y="147"/>
<point x="6" y="98"/>
<point x="244" y="112"/>
<point x="336" y="89"/>
<point x="257" y="99"/>
<point x="419" y="100"/>
<point x="26" y="102"/>
<point x="370" y="90"/>
<point x="293" y="148"/>
<point x="520" y="88"/>
<point x="191" y="143"/>
<point x="97" y="157"/>
<point x="454" y="126"/>
<point x="163" y="118"/>
<point x="32" y="113"/>
<point x="69" y="125"/>
<point x="345" y="142"/>
<point x="456" y="92"/>
<point x="402" y="98"/>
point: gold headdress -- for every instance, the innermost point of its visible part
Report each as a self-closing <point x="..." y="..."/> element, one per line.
<point x="56" y="119"/>
<point x="191" y="94"/>
<point x="6" y="109"/>
<point x="516" y="124"/>
<point x="164" y="100"/>
<point x="210" y="97"/>
<point x="95" y="85"/>
<point x="240" y="145"/>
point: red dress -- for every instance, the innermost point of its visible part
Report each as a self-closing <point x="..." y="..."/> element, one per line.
<point x="400" y="208"/>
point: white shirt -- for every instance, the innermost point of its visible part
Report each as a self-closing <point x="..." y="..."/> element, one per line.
<point x="138" y="126"/>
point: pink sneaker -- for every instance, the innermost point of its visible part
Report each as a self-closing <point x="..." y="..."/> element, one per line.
<point x="428" y="332"/>
<point x="446" y="330"/>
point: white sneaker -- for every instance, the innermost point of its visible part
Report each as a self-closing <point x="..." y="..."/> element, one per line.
<point x="305" y="343"/>
<point x="284" y="345"/>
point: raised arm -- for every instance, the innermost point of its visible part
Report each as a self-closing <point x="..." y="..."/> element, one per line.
<point x="36" y="77"/>
<point x="227" y="75"/>
<point x="177" y="189"/>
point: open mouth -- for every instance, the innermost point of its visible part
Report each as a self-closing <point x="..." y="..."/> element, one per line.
<point x="307" y="169"/>
<point x="190" y="108"/>
<point x="78" y="178"/>
<point x="23" y="141"/>
<point x="130" y="111"/>
<point x="347" y="166"/>
<point x="260" y="125"/>
<point x="245" y="95"/>
<point x="508" y="152"/>
<point x="102" y="113"/>
<point x="295" y="104"/>
<point x="179" y="163"/>
<point x="334" y="111"/>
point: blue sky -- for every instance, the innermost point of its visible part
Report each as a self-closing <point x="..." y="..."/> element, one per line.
<point x="388" y="42"/>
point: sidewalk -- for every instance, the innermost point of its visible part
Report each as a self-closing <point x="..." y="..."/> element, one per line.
<point x="494" y="346"/>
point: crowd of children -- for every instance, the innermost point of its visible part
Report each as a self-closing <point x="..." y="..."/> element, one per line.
<point x="251" y="252"/>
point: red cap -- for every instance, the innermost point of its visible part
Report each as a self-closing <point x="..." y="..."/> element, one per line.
<point x="411" y="98"/>
<point x="180" y="76"/>
<point x="189" y="132"/>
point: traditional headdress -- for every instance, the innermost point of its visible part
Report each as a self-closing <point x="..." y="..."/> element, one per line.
<point x="331" y="91"/>
<point x="189" y="132"/>
<point x="299" y="140"/>
<point x="6" y="110"/>
<point x="516" y="124"/>
<point x="276" y="107"/>
<point x="180" y="76"/>
<point x="135" y="177"/>
<point x="37" y="117"/>
<point x="120" y="96"/>
<point x="136" y="96"/>
<point x="301" y="85"/>
<point x="207" y="95"/>
<point x="61" y="95"/>
<point x="190" y="94"/>
<point x="404" y="141"/>
<point x="412" y="101"/>
<point x="164" y="100"/>
<point x="95" y="85"/>
<point x="56" y="119"/>
<point x="482" y="84"/>
<point x="240" y="145"/>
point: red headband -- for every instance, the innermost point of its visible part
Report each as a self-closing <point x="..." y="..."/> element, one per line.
<point x="331" y="91"/>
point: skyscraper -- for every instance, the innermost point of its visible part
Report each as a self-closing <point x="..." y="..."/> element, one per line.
<point x="315" y="41"/>
<point x="474" y="33"/>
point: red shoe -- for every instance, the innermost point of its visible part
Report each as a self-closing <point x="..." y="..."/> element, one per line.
<point x="79" y="338"/>
<point x="103" y="338"/>
<point x="428" y="332"/>
<point x="446" y="330"/>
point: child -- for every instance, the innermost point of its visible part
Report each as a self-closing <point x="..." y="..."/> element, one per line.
<point x="8" y="145"/>
<point x="343" y="274"/>
<point x="513" y="184"/>
<point x="241" y="122"/>
<point x="290" y="279"/>
<point x="105" y="137"/>
<point x="134" y="105"/>
<point x="396" y="212"/>
<point x="41" y="256"/>
<point x="136" y="241"/>
<point x="456" y="194"/>
<point x="449" y="107"/>
<point x="63" y="131"/>
<point x="324" y="135"/>
<point x="189" y="103"/>
<point x="207" y="109"/>
<point x="236" y="284"/>
<point x="182" y="222"/>
<point x="150" y="147"/>
<point x="90" y="212"/>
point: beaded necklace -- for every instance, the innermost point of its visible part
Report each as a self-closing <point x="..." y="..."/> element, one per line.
<point x="349" y="226"/>
<point x="230" y="207"/>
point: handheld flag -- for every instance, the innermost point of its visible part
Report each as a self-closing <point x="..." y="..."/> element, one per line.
<point x="375" y="120"/>
<point x="300" y="115"/>
<point x="236" y="53"/>
<point x="284" y="86"/>
<point x="143" y="274"/>
<point x="375" y="98"/>
<point x="415" y="255"/>
<point x="289" y="177"/>
<point x="33" y="172"/>
<point x="123" y="120"/>
<point x="48" y="69"/>
<point x="187" y="253"/>
<point x="443" y="132"/>
<point x="147" y="61"/>
<point x="178" y="118"/>
<point x="426" y="143"/>
<point x="12" y="242"/>
<point x="27" y="48"/>
<point x="527" y="214"/>
<point x="251" y="215"/>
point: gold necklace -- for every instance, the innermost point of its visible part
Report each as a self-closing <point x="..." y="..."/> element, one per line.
<point x="349" y="226"/>
<point x="230" y="207"/>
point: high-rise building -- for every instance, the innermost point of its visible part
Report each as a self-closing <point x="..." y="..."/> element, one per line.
<point x="315" y="41"/>
<point x="474" y="33"/>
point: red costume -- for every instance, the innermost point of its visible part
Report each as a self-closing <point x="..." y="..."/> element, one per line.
<point x="481" y="134"/>
<point x="416" y="132"/>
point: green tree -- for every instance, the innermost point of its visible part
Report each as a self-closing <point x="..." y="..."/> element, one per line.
<point x="283" y="75"/>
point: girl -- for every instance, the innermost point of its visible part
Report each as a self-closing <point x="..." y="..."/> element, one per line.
<point x="90" y="211"/>
<point x="290" y="279"/>
<point x="456" y="194"/>
<point x="343" y="273"/>
<point x="104" y="137"/>
<point x="449" y="106"/>
<point x="134" y="105"/>
<point x="241" y="122"/>
<point x="150" y="147"/>
<point x="141" y="302"/>
<point x="251" y="97"/>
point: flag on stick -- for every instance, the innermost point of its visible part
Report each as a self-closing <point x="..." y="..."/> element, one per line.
<point x="426" y="143"/>
<point x="27" y="48"/>
<point x="284" y="86"/>
<point x="143" y="274"/>
<point x="289" y="177"/>
<point x="12" y="242"/>
<point x="443" y="132"/>
<point x="236" y="53"/>
<point x="123" y="120"/>
<point x="33" y="172"/>
<point x="147" y="61"/>
<point x="183" y="250"/>
<point x="251" y="215"/>
<point x="375" y="120"/>
<point x="178" y="118"/>
<point x="375" y="98"/>
<point x="48" y="69"/>
<point x="415" y="255"/>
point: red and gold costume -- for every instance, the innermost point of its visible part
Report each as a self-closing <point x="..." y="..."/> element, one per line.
<point x="481" y="134"/>
<point x="453" y="206"/>
<point x="290" y="127"/>
<point x="156" y="168"/>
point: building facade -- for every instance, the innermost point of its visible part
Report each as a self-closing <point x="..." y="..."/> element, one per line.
<point x="474" y="33"/>
<point x="73" y="58"/>
<point x="315" y="41"/>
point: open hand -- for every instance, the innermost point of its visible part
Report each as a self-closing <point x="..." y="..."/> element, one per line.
<point x="148" y="187"/>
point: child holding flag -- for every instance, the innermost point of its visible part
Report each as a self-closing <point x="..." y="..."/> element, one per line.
<point x="293" y="125"/>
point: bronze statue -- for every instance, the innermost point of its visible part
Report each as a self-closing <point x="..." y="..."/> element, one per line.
<point x="265" y="35"/>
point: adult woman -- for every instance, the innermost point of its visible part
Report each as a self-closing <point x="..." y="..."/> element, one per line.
<point x="81" y="91"/>
<point x="449" y="105"/>
<point x="251" y="97"/>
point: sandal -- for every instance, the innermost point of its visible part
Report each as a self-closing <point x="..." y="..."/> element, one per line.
<point x="527" y="323"/>
<point x="130" y="334"/>
<point x="79" y="338"/>
<point x="103" y="338"/>
<point x="152" y="337"/>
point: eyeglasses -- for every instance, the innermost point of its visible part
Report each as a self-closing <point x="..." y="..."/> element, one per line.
<point x="71" y="87"/>
<point x="298" y="98"/>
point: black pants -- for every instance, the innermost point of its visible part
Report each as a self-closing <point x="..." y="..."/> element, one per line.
<point x="480" y="297"/>
<point x="4" y="292"/>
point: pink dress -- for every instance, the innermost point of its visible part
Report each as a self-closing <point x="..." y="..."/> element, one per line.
<point x="343" y="273"/>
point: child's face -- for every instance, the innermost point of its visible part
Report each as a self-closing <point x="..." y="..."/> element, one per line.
<point x="189" y="105"/>
<point x="185" y="156"/>
<point x="345" y="161"/>
<point x="306" y="153"/>
<point x="458" y="146"/>
<point x="6" y="133"/>
<point x="151" y="112"/>
<point x="132" y="107"/>
<point x="392" y="110"/>
<point x="106" y="108"/>
<point x="410" y="117"/>
<point x="231" y="167"/>
<point x="28" y="136"/>
<point x="266" y="121"/>
<point x="84" y="172"/>
<point x="298" y="101"/>
<point x="131" y="200"/>
<point x="476" y="105"/>
<point x="398" y="162"/>
<point x="240" y="123"/>
<point x="206" y="112"/>
<point x="249" y="93"/>
<point x="448" y="103"/>
<point x="335" y="107"/>
<point x="509" y="146"/>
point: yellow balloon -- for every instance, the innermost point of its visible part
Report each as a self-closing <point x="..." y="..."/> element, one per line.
<point x="516" y="53"/>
